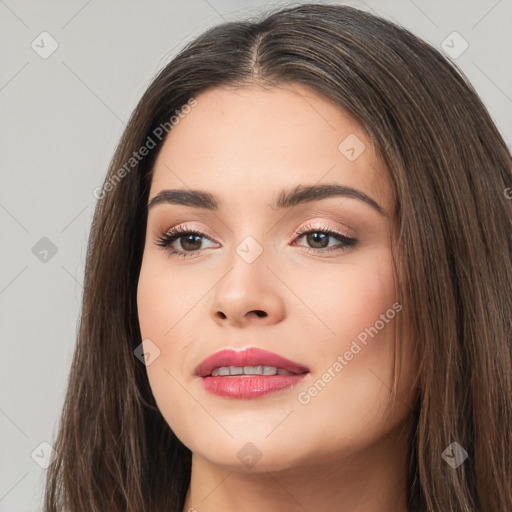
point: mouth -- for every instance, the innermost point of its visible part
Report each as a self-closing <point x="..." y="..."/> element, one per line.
<point x="249" y="373"/>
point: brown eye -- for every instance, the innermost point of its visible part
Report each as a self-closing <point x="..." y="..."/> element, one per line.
<point x="318" y="239"/>
<point x="190" y="241"/>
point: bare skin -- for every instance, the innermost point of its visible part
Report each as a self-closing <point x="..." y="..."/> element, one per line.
<point x="336" y="448"/>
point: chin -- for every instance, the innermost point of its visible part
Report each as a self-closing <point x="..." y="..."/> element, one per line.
<point x="247" y="452"/>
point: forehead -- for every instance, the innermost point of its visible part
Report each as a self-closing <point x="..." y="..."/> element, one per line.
<point x="249" y="142"/>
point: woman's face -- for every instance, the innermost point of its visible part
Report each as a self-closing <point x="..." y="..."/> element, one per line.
<point x="325" y="301"/>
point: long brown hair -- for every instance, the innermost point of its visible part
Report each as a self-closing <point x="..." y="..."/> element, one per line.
<point x="452" y="247"/>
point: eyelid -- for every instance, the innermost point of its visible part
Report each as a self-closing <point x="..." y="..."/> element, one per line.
<point x="309" y="224"/>
<point x="188" y="227"/>
<point x="322" y="225"/>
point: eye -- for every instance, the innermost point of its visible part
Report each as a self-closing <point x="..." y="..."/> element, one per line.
<point x="191" y="240"/>
<point x="319" y="238"/>
<point x="191" y="243"/>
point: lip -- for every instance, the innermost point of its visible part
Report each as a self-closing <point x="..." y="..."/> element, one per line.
<point x="248" y="386"/>
<point x="249" y="357"/>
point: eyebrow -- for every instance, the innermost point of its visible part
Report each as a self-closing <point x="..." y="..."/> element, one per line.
<point x="285" y="198"/>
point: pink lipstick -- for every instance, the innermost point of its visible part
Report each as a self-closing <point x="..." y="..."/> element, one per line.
<point x="250" y="373"/>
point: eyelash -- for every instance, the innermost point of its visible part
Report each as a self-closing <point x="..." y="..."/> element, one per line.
<point x="169" y="237"/>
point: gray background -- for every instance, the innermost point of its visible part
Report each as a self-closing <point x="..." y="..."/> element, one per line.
<point x="60" y="120"/>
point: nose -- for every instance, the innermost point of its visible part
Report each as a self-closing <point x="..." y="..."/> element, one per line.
<point x="249" y="293"/>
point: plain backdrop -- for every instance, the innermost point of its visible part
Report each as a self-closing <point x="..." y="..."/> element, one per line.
<point x="61" y="116"/>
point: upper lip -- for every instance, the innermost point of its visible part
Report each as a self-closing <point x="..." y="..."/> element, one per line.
<point x="249" y="357"/>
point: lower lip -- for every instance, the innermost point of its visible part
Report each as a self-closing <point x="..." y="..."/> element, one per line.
<point x="249" y="386"/>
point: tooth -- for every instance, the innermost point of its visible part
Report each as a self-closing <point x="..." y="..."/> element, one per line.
<point x="253" y="370"/>
<point x="248" y="370"/>
<point x="269" y="370"/>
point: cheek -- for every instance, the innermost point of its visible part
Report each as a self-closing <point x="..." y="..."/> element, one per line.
<point x="162" y="315"/>
<point x="165" y="299"/>
<point x="168" y="305"/>
<point x="165" y="317"/>
<point x="353" y="344"/>
<point x="348" y="299"/>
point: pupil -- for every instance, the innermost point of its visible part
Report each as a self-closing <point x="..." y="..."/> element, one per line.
<point x="190" y="238"/>
<point x="317" y="238"/>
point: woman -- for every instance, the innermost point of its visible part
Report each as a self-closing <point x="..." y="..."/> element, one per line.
<point x="210" y="372"/>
